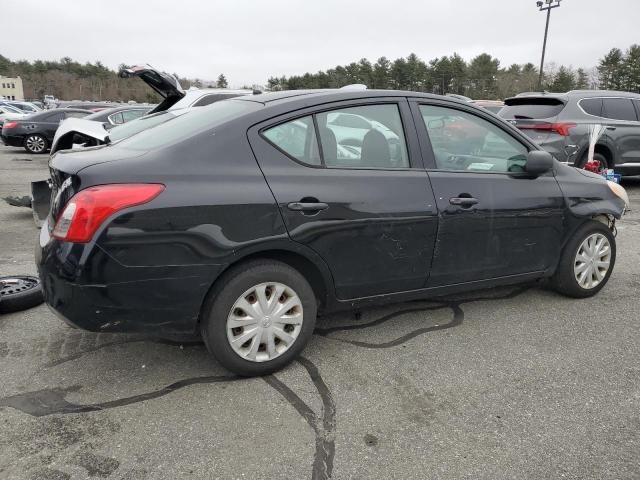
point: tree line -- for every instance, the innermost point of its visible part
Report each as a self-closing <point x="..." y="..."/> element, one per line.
<point x="481" y="77"/>
<point x="70" y="80"/>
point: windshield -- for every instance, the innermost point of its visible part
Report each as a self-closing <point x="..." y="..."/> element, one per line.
<point x="186" y="126"/>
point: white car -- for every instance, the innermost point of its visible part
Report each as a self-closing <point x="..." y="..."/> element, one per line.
<point x="7" y="112"/>
<point x="175" y="97"/>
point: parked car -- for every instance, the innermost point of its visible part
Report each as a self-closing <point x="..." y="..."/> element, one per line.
<point x="7" y="112"/>
<point x="35" y="132"/>
<point x="112" y="117"/>
<point x="559" y="122"/>
<point x="91" y="106"/>
<point x="175" y="97"/>
<point x="218" y="222"/>
<point x="26" y="107"/>
<point x="494" y="106"/>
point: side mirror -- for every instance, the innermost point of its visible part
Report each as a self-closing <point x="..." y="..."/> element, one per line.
<point x="538" y="162"/>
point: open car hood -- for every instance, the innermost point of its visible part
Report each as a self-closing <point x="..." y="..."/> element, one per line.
<point x="164" y="84"/>
<point x="88" y="130"/>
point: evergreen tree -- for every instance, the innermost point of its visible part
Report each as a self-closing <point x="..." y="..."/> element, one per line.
<point x="380" y="76"/>
<point x="582" y="79"/>
<point x="632" y="69"/>
<point x="483" y="71"/>
<point x="564" y="80"/>
<point x="222" y="81"/>
<point x="610" y="70"/>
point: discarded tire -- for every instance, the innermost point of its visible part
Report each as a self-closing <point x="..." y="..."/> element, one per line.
<point x="19" y="293"/>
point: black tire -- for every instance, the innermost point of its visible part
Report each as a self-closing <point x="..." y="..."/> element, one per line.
<point x="564" y="280"/>
<point x="19" y="293"/>
<point x="30" y="142"/>
<point x="228" y="289"/>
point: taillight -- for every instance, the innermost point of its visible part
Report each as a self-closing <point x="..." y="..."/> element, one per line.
<point x="10" y="125"/>
<point x="89" y="208"/>
<point x="559" y="128"/>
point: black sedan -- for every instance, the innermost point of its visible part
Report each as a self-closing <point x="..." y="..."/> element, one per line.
<point x="35" y="132"/>
<point x="242" y="220"/>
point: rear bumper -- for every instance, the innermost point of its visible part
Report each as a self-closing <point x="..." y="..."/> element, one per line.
<point x="12" y="140"/>
<point x="92" y="291"/>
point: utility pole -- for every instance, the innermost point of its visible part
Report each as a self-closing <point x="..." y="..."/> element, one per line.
<point x="545" y="5"/>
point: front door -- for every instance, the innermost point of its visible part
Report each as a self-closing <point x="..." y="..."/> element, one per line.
<point x="350" y="185"/>
<point x="495" y="220"/>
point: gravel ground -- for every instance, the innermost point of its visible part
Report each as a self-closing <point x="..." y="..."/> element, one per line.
<point x="503" y="384"/>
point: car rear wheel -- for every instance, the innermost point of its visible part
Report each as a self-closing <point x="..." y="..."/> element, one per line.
<point x="259" y="318"/>
<point x="597" y="165"/>
<point x="19" y="293"/>
<point x="35" y="143"/>
<point x="587" y="261"/>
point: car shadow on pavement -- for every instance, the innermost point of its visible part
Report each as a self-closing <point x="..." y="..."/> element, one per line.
<point x="53" y="401"/>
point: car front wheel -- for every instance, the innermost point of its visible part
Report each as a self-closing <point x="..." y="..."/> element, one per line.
<point x="259" y="318"/>
<point x="587" y="261"/>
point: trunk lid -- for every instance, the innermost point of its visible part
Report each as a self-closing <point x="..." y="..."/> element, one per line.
<point x="163" y="83"/>
<point x="535" y="115"/>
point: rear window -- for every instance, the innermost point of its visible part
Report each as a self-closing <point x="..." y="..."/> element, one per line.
<point x="531" y="108"/>
<point x="188" y="125"/>
<point x="618" y="109"/>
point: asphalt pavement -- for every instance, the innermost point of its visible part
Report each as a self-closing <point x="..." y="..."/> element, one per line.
<point x="510" y="383"/>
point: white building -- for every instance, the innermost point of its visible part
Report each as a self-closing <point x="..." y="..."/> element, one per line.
<point x="11" y="88"/>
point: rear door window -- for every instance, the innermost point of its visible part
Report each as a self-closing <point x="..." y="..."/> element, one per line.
<point x="368" y="136"/>
<point x="129" y="115"/>
<point x="592" y="106"/>
<point x="619" y="109"/>
<point x="116" y="118"/>
<point x="530" y="109"/>
<point x="297" y="139"/>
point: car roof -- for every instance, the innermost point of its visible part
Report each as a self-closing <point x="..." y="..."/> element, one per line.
<point x="602" y="93"/>
<point x="329" y="95"/>
<point x="199" y="92"/>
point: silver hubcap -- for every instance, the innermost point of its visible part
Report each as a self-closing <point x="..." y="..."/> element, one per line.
<point x="264" y="322"/>
<point x="35" y="144"/>
<point x="592" y="261"/>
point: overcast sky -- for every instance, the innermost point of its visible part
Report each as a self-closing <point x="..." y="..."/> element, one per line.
<point x="251" y="40"/>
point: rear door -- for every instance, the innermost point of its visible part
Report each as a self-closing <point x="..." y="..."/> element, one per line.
<point x="495" y="220"/>
<point x="623" y="128"/>
<point x="361" y="200"/>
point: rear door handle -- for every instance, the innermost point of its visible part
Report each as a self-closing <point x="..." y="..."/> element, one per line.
<point x="611" y="128"/>
<point x="307" y="206"/>
<point x="463" y="201"/>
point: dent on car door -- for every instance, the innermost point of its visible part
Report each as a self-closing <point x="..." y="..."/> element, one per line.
<point x="495" y="220"/>
<point x="360" y="205"/>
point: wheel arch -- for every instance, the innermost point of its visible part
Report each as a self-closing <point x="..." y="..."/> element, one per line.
<point x="308" y="264"/>
<point x="601" y="148"/>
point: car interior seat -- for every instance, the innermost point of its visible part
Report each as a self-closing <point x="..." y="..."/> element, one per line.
<point x="375" y="150"/>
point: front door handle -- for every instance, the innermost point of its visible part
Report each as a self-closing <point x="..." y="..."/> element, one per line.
<point x="307" y="206"/>
<point x="611" y="128"/>
<point x="463" y="202"/>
